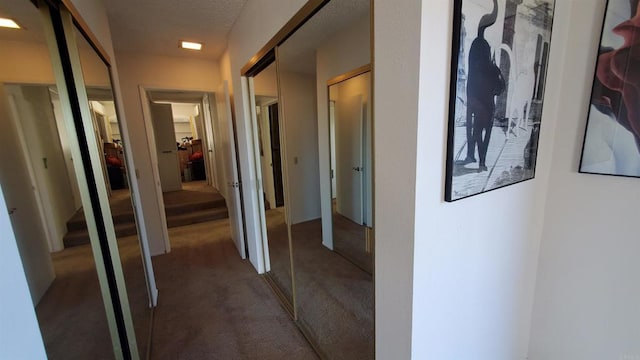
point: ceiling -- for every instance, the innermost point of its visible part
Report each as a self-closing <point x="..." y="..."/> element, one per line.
<point x="157" y="26"/>
<point x="26" y="15"/>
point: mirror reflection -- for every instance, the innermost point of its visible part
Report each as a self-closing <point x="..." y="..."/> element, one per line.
<point x="328" y="165"/>
<point x="41" y="191"/>
<point x="351" y="180"/>
<point x="271" y="154"/>
<point x="108" y="135"/>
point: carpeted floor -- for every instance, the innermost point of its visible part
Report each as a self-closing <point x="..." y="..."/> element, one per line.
<point x="213" y="305"/>
<point x="71" y="314"/>
<point x="334" y="298"/>
<point x="349" y="241"/>
<point x="278" y="238"/>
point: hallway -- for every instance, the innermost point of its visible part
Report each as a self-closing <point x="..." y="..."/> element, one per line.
<point x="212" y="304"/>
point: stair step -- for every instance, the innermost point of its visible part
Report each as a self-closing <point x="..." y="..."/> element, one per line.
<point x="179" y="209"/>
<point x="195" y="217"/>
<point x="80" y="237"/>
<point x="80" y="224"/>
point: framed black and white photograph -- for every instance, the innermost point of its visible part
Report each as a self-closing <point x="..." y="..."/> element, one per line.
<point x="499" y="66"/>
<point x="612" y="138"/>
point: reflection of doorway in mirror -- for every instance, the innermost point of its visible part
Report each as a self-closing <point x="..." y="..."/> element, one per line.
<point x="270" y="151"/>
<point x="350" y="132"/>
<point x="332" y="139"/>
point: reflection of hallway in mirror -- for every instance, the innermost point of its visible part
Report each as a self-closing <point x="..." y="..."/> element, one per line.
<point x="195" y="203"/>
<point x="71" y="313"/>
<point x="334" y="297"/>
<point x="279" y="250"/>
<point x="349" y="241"/>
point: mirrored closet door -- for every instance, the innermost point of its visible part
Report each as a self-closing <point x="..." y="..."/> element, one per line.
<point x="108" y="134"/>
<point x="325" y="123"/>
<point x="269" y="147"/>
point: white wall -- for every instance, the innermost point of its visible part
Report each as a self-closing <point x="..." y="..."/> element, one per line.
<point x="299" y="120"/>
<point x="156" y="72"/>
<point x="258" y="22"/>
<point x="474" y="260"/>
<point x="345" y="51"/>
<point x="587" y="293"/>
<point x="19" y="332"/>
<point x="395" y="108"/>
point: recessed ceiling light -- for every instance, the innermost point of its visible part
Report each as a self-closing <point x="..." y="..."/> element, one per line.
<point x="191" y="45"/>
<point x="8" y="23"/>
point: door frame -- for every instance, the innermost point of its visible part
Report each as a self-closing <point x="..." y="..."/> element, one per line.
<point x="210" y="157"/>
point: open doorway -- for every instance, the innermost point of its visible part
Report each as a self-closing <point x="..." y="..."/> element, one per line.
<point x="185" y="141"/>
<point x="183" y="136"/>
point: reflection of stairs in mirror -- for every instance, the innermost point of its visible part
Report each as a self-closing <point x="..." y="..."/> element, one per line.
<point x="192" y="206"/>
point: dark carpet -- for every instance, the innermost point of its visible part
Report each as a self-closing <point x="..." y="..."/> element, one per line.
<point x="213" y="305"/>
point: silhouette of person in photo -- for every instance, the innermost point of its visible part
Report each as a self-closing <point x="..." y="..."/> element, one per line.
<point x="485" y="81"/>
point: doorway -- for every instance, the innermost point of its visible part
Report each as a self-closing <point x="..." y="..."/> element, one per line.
<point x="183" y="134"/>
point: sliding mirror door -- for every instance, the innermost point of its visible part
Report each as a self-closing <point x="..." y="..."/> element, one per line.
<point x="41" y="190"/>
<point x="268" y="133"/>
<point x="331" y="256"/>
<point x="110" y="145"/>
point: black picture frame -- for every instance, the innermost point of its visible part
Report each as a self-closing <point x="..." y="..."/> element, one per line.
<point x="611" y="143"/>
<point x="499" y="60"/>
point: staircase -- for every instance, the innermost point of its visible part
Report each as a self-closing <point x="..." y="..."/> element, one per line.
<point x="182" y="208"/>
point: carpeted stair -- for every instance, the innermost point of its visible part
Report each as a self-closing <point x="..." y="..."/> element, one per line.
<point x="181" y="208"/>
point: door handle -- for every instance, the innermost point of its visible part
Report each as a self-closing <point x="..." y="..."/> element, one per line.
<point x="167" y="151"/>
<point x="12" y="210"/>
<point x="358" y="168"/>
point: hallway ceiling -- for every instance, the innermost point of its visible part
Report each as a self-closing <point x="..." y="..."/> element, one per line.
<point x="157" y="26"/>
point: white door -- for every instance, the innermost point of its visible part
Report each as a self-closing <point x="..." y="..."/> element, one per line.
<point x="212" y="168"/>
<point x="21" y="198"/>
<point x="232" y="192"/>
<point x="349" y="159"/>
<point x="168" y="164"/>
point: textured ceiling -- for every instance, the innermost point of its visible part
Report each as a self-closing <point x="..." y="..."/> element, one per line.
<point x="157" y="26"/>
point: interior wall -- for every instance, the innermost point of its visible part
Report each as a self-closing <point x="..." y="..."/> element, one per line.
<point x="299" y="120"/>
<point x="19" y="331"/>
<point x="345" y="51"/>
<point x="587" y="294"/>
<point x="475" y="259"/>
<point x="257" y="23"/>
<point x="29" y="63"/>
<point x="156" y="72"/>
<point x="395" y="109"/>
